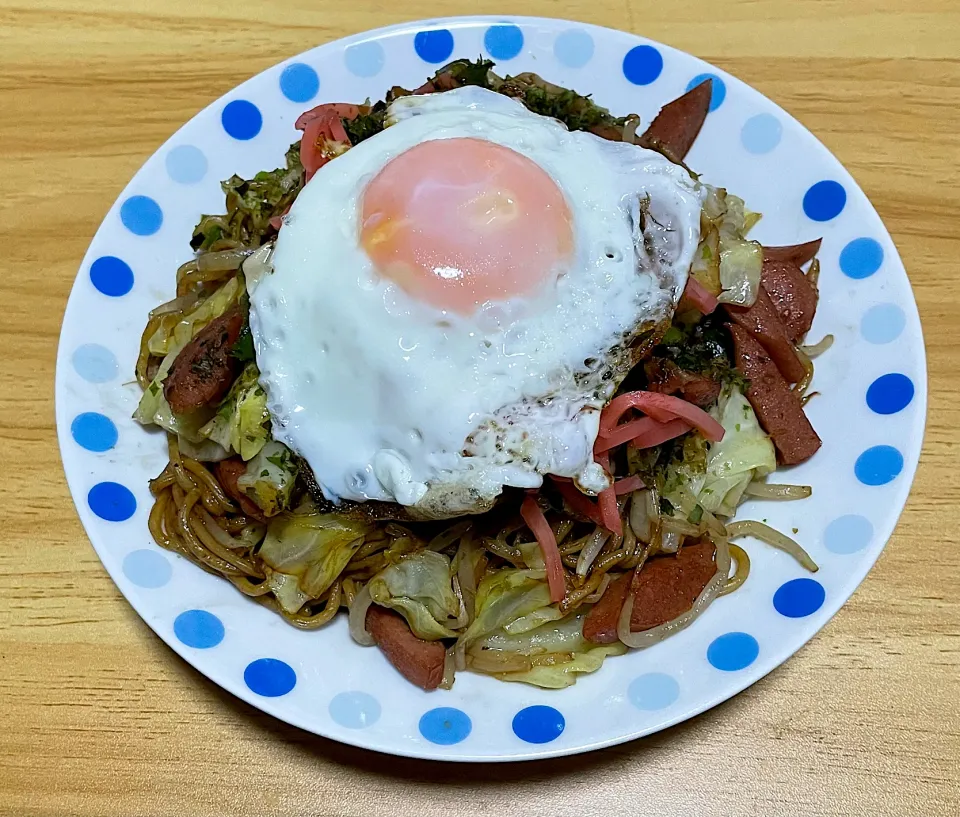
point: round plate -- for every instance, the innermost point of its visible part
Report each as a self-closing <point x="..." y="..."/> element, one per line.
<point x="870" y="411"/>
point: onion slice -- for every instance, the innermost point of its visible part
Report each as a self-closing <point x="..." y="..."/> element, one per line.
<point x="742" y="570"/>
<point x="591" y="550"/>
<point x="358" y="617"/>
<point x="772" y="490"/>
<point x="817" y="349"/>
<point x="774" y="538"/>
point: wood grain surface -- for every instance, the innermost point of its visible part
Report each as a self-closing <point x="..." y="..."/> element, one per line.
<point x="98" y="717"/>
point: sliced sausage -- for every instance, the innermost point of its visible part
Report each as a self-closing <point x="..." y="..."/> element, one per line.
<point x="600" y="625"/>
<point x="794" y="300"/>
<point x="778" y="408"/>
<point x="204" y="370"/>
<point x="674" y="130"/>
<point x="797" y="254"/>
<point x="667" y="586"/>
<point x="701" y="391"/>
<point x="666" y="377"/>
<point x="419" y="661"/>
<point x="228" y="472"/>
<point x="761" y="321"/>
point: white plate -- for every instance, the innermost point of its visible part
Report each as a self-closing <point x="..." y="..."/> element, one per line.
<point x="870" y="413"/>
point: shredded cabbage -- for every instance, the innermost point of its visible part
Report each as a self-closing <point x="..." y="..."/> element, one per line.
<point x="743" y="454"/>
<point x="242" y="422"/>
<point x="418" y="587"/>
<point x="313" y="547"/>
<point x="270" y="478"/>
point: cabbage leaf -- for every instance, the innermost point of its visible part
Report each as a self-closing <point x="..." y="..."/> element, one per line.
<point x="418" y="587"/>
<point x="562" y="640"/>
<point x="505" y="596"/>
<point x="315" y="548"/>
<point x="270" y="478"/>
<point x="745" y="453"/>
<point x="564" y="673"/>
<point x="177" y="330"/>
<point x="241" y="422"/>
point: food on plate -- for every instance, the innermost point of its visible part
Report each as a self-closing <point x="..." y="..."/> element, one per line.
<point x="487" y="367"/>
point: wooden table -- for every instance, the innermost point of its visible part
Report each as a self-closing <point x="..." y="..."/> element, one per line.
<point x="98" y="717"/>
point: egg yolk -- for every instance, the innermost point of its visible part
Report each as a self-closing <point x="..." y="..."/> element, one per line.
<point x="459" y="222"/>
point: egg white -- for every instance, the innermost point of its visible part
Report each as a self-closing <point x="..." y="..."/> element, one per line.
<point x="391" y="399"/>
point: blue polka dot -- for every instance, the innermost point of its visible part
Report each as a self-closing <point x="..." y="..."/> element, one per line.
<point x="445" y="725"/>
<point x="111" y="275"/>
<point x="861" y="258"/>
<point x="93" y="431"/>
<point x="433" y="46"/>
<point x="848" y="534"/>
<point x="241" y="119"/>
<point x="799" y="598"/>
<point x="878" y="465"/>
<point x="573" y="48"/>
<point x="882" y="323"/>
<point x="141" y="215"/>
<point x="642" y="64"/>
<point x="653" y="691"/>
<point x="824" y="200"/>
<point x="364" y="59"/>
<point x="95" y="363"/>
<point x="269" y="677"/>
<point x="503" y="42"/>
<point x="147" y="568"/>
<point x="733" y="651"/>
<point x="111" y="501"/>
<point x="186" y="164"/>
<point x="761" y="133"/>
<point x="538" y="724"/>
<point x="890" y="393"/>
<point x="198" y="629"/>
<point x="355" y="710"/>
<point x="718" y="92"/>
<point x="299" y="82"/>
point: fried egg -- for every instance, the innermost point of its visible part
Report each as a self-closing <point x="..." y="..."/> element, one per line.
<point x="452" y="301"/>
